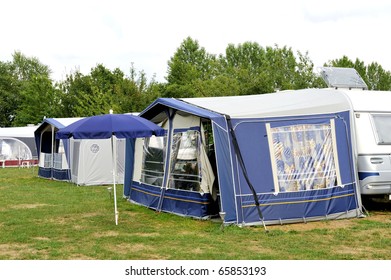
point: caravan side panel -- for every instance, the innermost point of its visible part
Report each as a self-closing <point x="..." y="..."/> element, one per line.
<point x="374" y="152"/>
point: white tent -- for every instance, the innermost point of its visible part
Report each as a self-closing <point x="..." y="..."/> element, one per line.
<point x="17" y="146"/>
<point x="91" y="161"/>
<point x="83" y="162"/>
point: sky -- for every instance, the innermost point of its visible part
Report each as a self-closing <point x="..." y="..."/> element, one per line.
<point x="70" y="35"/>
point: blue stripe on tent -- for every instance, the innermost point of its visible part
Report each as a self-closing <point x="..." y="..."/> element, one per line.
<point x="363" y="175"/>
<point x="302" y="205"/>
<point x="58" y="174"/>
<point x="61" y="174"/>
<point x="145" y="194"/>
<point x="44" y="172"/>
<point x="174" y="201"/>
<point x="186" y="203"/>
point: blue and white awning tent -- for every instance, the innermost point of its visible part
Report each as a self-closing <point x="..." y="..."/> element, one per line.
<point x="271" y="158"/>
<point x="80" y="161"/>
<point x="53" y="154"/>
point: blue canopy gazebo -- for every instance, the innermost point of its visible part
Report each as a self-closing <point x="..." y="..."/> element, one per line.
<point x="108" y="126"/>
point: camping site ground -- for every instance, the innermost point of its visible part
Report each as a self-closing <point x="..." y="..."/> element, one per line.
<point x="50" y="220"/>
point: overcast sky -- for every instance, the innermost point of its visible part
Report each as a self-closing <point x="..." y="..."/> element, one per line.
<point x="78" y="34"/>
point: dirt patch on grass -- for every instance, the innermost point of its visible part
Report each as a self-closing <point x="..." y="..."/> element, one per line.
<point x="379" y="217"/>
<point x="384" y="217"/>
<point x="333" y="224"/>
<point x="109" y="233"/>
<point x="135" y="251"/>
<point x="61" y="220"/>
<point x="19" y="251"/>
<point x="80" y="257"/>
<point x="147" y="234"/>
<point x="42" y="238"/>
<point x="28" y="206"/>
<point x="89" y="215"/>
<point x="361" y="252"/>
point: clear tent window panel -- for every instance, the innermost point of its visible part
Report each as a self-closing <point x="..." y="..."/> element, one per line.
<point x="153" y="161"/>
<point x="185" y="161"/>
<point x="14" y="149"/>
<point x="303" y="157"/>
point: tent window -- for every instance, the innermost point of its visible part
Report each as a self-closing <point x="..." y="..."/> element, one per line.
<point x="47" y="160"/>
<point x="303" y="157"/>
<point x="59" y="158"/>
<point x="14" y="149"/>
<point x="153" y="161"/>
<point x="185" y="163"/>
<point x="382" y="127"/>
<point x="75" y="159"/>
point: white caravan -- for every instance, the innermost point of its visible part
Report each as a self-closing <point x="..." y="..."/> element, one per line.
<point x="372" y="126"/>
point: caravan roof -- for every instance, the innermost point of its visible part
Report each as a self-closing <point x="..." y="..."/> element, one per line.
<point x="369" y="101"/>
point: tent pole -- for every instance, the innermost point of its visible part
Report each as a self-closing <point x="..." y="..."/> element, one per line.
<point x="52" y="154"/>
<point x="113" y="149"/>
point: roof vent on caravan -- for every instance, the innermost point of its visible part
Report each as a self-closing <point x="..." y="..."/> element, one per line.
<point x="337" y="77"/>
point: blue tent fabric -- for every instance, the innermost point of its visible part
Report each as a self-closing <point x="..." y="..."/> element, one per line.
<point x="235" y="199"/>
<point x="109" y="125"/>
<point x="129" y="160"/>
<point x="105" y="126"/>
<point x="44" y="144"/>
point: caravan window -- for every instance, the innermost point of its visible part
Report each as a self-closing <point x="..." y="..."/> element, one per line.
<point x="382" y="127"/>
<point x="185" y="167"/>
<point x="303" y="157"/>
<point x="153" y="160"/>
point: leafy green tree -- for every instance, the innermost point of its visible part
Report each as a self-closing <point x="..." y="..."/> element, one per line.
<point x="27" y="91"/>
<point x="102" y="90"/>
<point x="40" y="99"/>
<point x="27" y="68"/>
<point x="9" y="94"/>
<point x="189" y="66"/>
<point x="84" y="95"/>
<point x="377" y="78"/>
<point x="263" y="70"/>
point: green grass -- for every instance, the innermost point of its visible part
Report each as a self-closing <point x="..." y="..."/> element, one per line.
<point x="45" y="219"/>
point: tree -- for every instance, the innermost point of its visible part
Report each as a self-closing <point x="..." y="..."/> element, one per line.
<point x="103" y="89"/>
<point x="28" y="67"/>
<point x="40" y="99"/>
<point x="377" y="78"/>
<point x="9" y="94"/>
<point x="190" y="65"/>
<point x="263" y="70"/>
<point x="25" y="87"/>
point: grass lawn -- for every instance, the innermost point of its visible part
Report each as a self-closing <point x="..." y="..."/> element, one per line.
<point x="51" y="220"/>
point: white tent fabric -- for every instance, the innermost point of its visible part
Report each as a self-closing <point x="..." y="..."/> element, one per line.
<point x="91" y="162"/>
<point x="271" y="105"/>
<point x="17" y="145"/>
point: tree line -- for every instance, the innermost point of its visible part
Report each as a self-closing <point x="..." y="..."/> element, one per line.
<point x="28" y="94"/>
